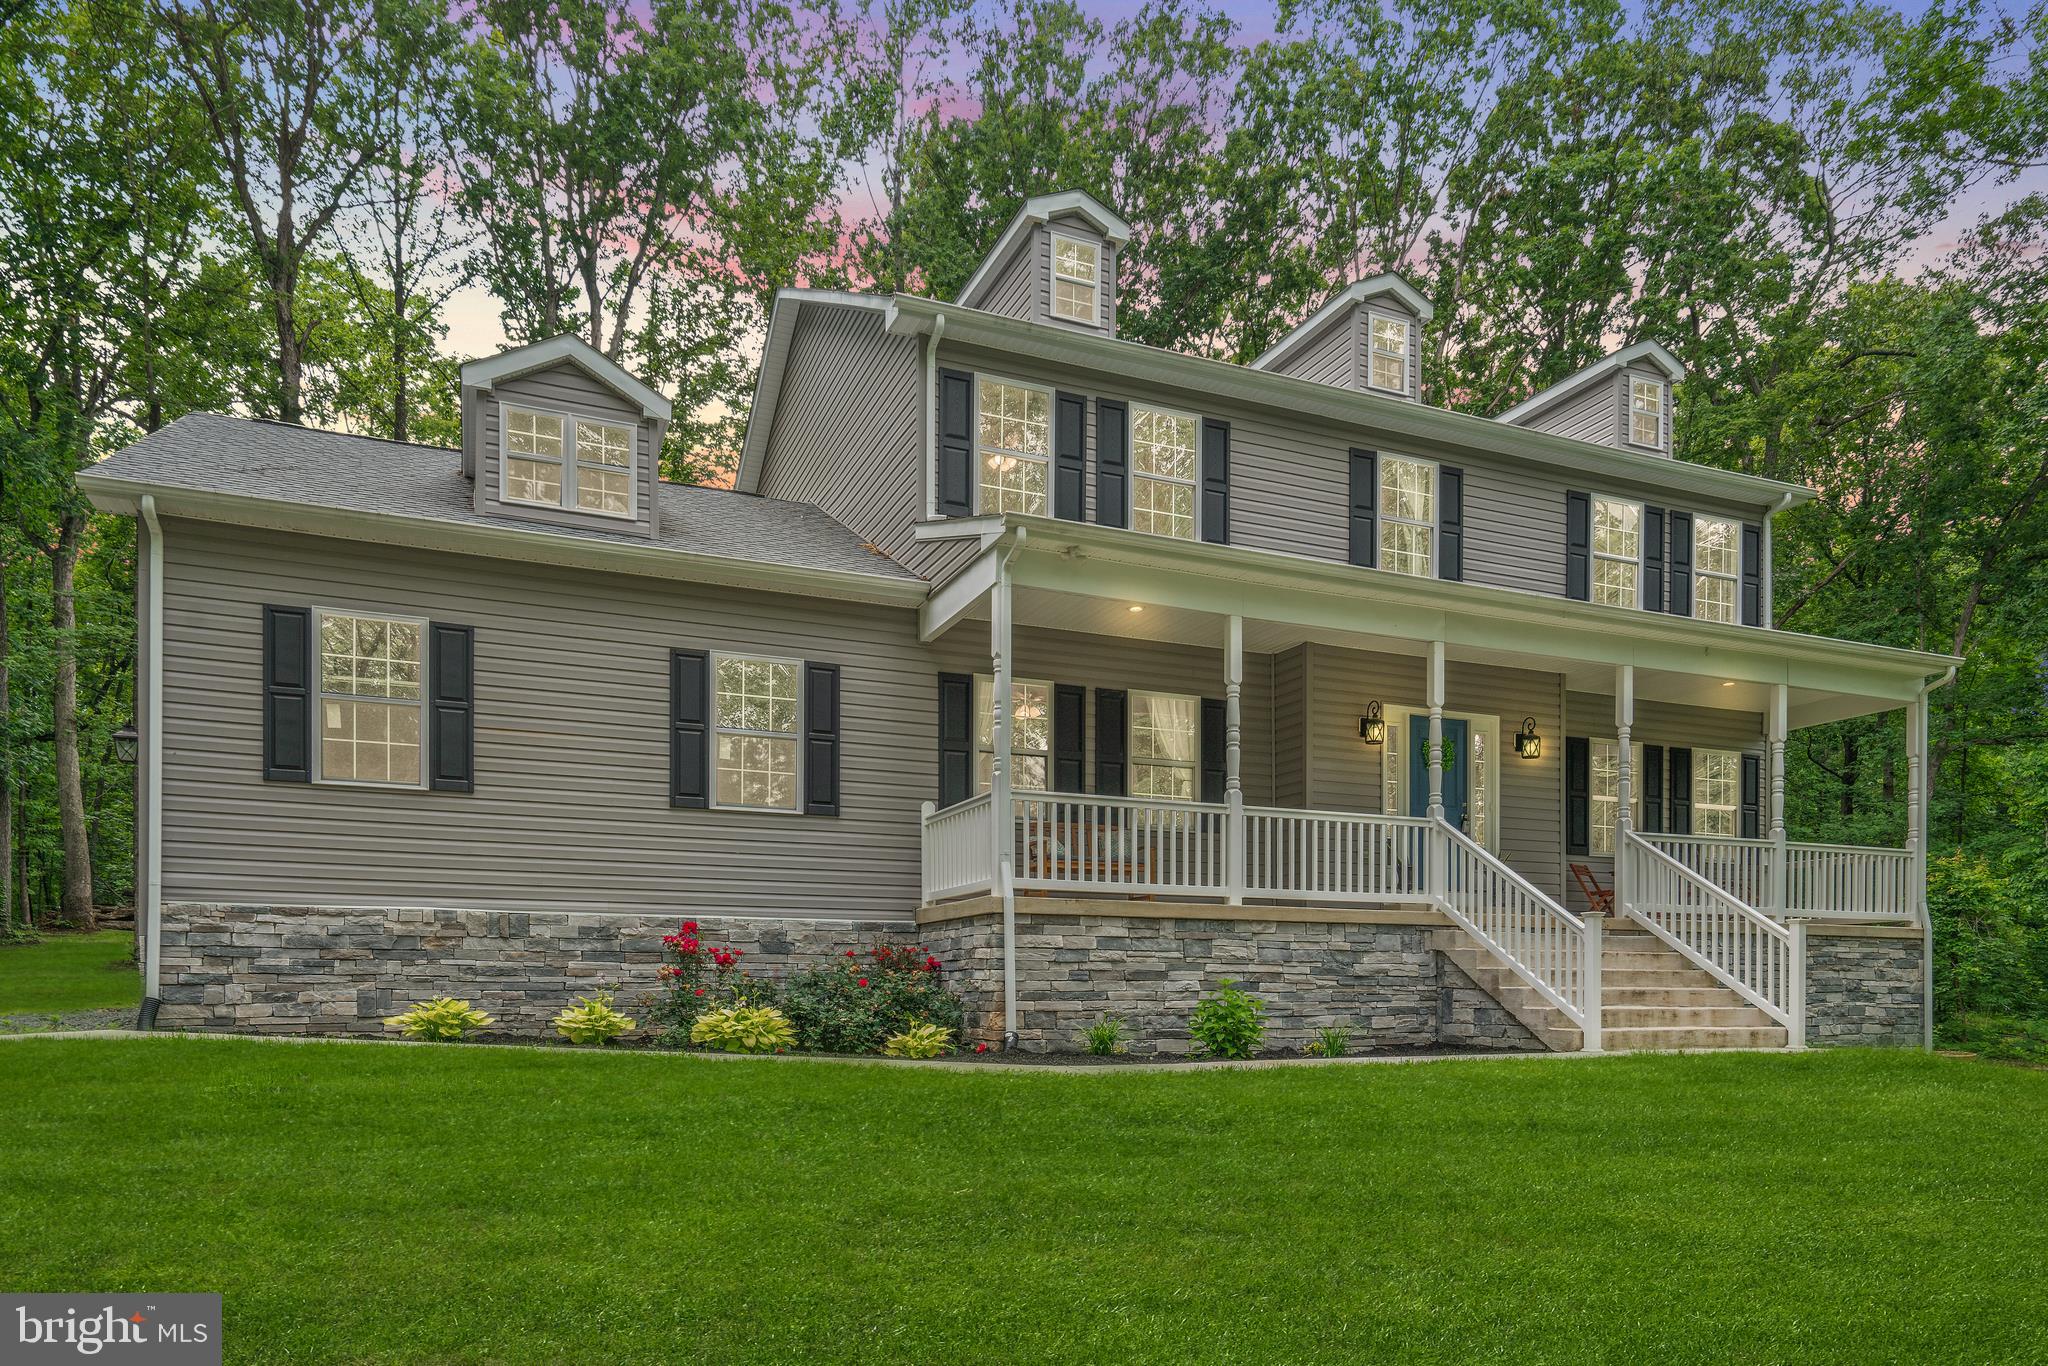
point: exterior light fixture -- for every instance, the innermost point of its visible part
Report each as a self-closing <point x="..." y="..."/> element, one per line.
<point x="1137" y="607"/>
<point x="125" y="743"/>
<point x="1371" y="727"/>
<point x="1528" y="743"/>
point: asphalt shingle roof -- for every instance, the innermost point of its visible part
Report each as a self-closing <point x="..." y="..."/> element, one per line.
<point x="206" y="452"/>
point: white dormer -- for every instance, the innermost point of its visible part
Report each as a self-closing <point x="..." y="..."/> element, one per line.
<point x="558" y="432"/>
<point x="1621" y="400"/>
<point x="1367" y="337"/>
<point x="1055" y="263"/>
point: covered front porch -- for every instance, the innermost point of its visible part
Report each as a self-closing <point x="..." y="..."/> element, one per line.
<point x="1368" y="743"/>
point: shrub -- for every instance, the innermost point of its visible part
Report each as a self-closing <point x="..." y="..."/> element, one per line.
<point x="591" y="1020"/>
<point x="744" y="1029"/>
<point x="697" y="978"/>
<point x="1105" y="1038"/>
<point x="1229" y="1024"/>
<point x="1329" y="1043"/>
<point x="442" y="1019"/>
<point x="921" y="1040"/>
<point x="856" y="1003"/>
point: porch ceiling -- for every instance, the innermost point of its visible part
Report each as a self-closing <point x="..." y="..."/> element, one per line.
<point x="1187" y="595"/>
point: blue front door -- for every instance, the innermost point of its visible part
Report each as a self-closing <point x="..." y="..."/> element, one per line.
<point x="1457" y="768"/>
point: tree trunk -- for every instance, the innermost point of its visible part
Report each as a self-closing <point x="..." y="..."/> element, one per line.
<point x="6" y="767"/>
<point x="284" y="287"/>
<point x="1848" y="775"/>
<point x="77" y="895"/>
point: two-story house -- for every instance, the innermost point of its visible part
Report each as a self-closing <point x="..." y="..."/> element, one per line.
<point x="1103" y="670"/>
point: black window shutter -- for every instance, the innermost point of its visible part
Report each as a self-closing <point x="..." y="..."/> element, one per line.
<point x="1752" y="796"/>
<point x="1752" y="574"/>
<point x="821" y="739"/>
<point x="1112" y="462"/>
<point x="1215" y="481"/>
<point x="1365" y="507"/>
<point x="1653" y="559"/>
<point x="1680" y="595"/>
<point x="288" y="694"/>
<point x="956" y="738"/>
<point x="1069" y="737"/>
<point x="956" y="444"/>
<point x="1652" y="780"/>
<point x="1450" y="523"/>
<point x="1070" y="454"/>
<point x="689" y="728"/>
<point x="1215" y="741"/>
<point x="1680" y="762"/>
<point x="1578" y="783"/>
<point x="1578" y="546"/>
<point x="1111" y="743"/>
<point x="451" y="715"/>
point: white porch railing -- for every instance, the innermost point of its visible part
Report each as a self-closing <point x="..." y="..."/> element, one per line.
<point x="1073" y="843"/>
<point x="1822" y="881"/>
<point x="959" y="849"/>
<point x="1546" y="945"/>
<point x="1334" y="856"/>
<point x="1751" y="953"/>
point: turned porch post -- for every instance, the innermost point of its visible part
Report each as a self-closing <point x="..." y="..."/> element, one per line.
<point x="1439" y="843"/>
<point x="1625" y="778"/>
<point x="1233" y="785"/>
<point x="1916" y="854"/>
<point x="1778" y="899"/>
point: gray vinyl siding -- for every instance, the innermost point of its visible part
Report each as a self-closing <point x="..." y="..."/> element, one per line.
<point x="565" y="389"/>
<point x="1333" y="356"/>
<point x="571" y="804"/>
<point x="1290" y="727"/>
<point x="1014" y="290"/>
<point x="1111" y="662"/>
<point x="1588" y="415"/>
<point x="1656" y="723"/>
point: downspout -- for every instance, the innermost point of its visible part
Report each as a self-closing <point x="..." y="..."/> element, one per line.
<point x="931" y="416"/>
<point x="1770" y="570"/>
<point x="1000" y="817"/>
<point x="153" y="778"/>
<point x="1920" y="852"/>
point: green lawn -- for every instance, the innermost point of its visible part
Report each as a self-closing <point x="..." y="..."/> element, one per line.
<point x="64" y="972"/>
<point x="423" y="1204"/>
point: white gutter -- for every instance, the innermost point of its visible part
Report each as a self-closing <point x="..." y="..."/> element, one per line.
<point x="1920" y="873"/>
<point x="153" y="750"/>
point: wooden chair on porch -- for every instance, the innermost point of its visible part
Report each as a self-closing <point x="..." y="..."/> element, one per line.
<point x="1598" y="898"/>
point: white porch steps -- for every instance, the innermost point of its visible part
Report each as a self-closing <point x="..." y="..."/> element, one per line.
<point x="1652" y="998"/>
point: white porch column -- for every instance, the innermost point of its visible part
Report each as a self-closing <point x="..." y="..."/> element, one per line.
<point x="1233" y="784"/>
<point x="1777" y="900"/>
<point x="1625" y="779"/>
<point x="1001" y="821"/>
<point x="1916" y="854"/>
<point x="1436" y="729"/>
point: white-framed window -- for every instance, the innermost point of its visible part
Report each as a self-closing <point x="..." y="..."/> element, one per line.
<point x="1014" y="439"/>
<point x="1076" y="279"/>
<point x="372" y="702"/>
<point x="1603" y="791"/>
<point x="1030" y="733"/>
<point x="1163" y="472"/>
<point x="1716" y="568"/>
<point x="1387" y="356"/>
<point x="1165" y="746"/>
<point x="756" y="715"/>
<point x="1617" y="552"/>
<point x="1716" y="792"/>
<point x="1407" y="516"/>
<point x="1646" y="412"/>
<point x="584" y="464"/>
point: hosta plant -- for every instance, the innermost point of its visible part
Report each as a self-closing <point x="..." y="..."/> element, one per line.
<point x="921" y="1040"/>
<point x="744" y="1029"/>
<point x="1229" y="1024"/>
<point x="442" y="1019"/>
<point x="591" y="1019"/>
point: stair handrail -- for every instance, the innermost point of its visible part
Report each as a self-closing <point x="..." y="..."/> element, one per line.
<point x="1780" y="969"/>
<point x="1558" y="955"/>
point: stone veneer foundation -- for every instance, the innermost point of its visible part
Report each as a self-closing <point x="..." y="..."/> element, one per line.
<point x="1864" y="985"/>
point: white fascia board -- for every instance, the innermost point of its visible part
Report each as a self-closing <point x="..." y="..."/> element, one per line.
<point x="524" y="360"/>
<point x="1649" y="351"/>
<point x="774" y="363"/>
<point x="954" y="598"/>
<point x="984" y="529"/>
<point x="529" y="544"/>
<point x="1393" y="418"/>
<point x="1363" y="292"/>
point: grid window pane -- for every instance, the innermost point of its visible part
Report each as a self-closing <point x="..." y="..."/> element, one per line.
<point x="1646" y="412"/>
<point x="1616" y="583"/>
<point x="1163" y="782"/>
<point x="1390" y="354"/>
<point x="533" y="433"/>
<point x="1162" y="444"/>
<point x="1617" y="528"/>
<point x="1075" y="302"/>
<point x="1030" y="731"/>
<point x="757" y="695"/>
<point x="757" y="770"/>
<point x="1075" y="279"/>
<point x="1016" y="439"/>
<point x="1075" y="260"/>
<point x="604" y="443"/>
<point x="1716" y="791"/>
<point x="369" y="742"/>
<point x="603" y="490"/>
<point x="1717" y="547"/>
<point x="1163" y="508"/>
<point x="1405" y="548"/>
<point x="533" y="481"/>
<point x="1713" y="599"/>
<point x="1012" y="483"/>
<point x="1408" y="490"/>
<point x="1165" y="739"/>
<point x="369" y="657"/>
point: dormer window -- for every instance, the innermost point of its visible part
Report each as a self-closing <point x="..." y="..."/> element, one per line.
<point x="582" y="464"/>
<point x="1646" y="413"/>
<point x="1389" y="358"/>
<point x="1076" y="280"/>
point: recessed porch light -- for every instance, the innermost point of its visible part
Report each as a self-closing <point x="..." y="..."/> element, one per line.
<point x="1137" y="607"/>
<point x="1729" y="684"/>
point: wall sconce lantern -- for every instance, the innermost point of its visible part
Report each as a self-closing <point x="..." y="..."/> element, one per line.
<point x="1371" y="728"/>
<point x="125" y="741"/>
<point x="1528" y="743"/>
